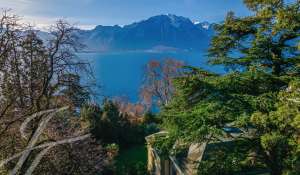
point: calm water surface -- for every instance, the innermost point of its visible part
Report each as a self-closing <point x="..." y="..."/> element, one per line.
<point x="121" y="73"/>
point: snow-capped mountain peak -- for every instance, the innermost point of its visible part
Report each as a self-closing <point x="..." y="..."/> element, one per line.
<point x="167" y="31"/>
<point x="196" y="22"/>
<point x="205" y="25"/>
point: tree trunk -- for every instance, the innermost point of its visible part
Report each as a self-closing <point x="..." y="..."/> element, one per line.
<point x="276" y="69"/>
<point x="276" y="170"/>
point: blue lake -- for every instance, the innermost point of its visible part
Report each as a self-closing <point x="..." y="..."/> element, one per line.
<point x="121" y="73"/>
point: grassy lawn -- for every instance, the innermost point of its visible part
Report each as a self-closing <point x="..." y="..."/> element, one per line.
<point x="132" y="160"/>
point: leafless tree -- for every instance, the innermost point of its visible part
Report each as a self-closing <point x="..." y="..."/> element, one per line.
<point x="38" y="74"/>
<point x="134" y="111"/>
<point x="157" y="87"/>
<point x="33" y="72"/>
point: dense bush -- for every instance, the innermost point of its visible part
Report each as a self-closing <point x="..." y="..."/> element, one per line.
<point x="110" y="126"/>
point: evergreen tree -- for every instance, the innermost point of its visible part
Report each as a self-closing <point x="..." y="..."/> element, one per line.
<point x="262" y="94"/>
<point x="267" y="39"/>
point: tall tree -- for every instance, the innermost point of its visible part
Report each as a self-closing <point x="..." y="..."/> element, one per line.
<point x="260" y="95"/>
<point x="38" y="74"/>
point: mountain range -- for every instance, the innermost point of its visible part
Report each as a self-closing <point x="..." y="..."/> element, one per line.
<point x="158" y="33"/>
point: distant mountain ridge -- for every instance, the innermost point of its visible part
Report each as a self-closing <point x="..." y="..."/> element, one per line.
<point x="158" y="33"/>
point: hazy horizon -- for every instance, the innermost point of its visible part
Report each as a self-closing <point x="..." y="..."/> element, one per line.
<point x="86" y="14"/>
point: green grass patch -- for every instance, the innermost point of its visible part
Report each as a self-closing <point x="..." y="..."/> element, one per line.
<point x="132" y="161"/>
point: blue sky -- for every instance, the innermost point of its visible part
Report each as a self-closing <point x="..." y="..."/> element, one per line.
<point x="89" y="13"/>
